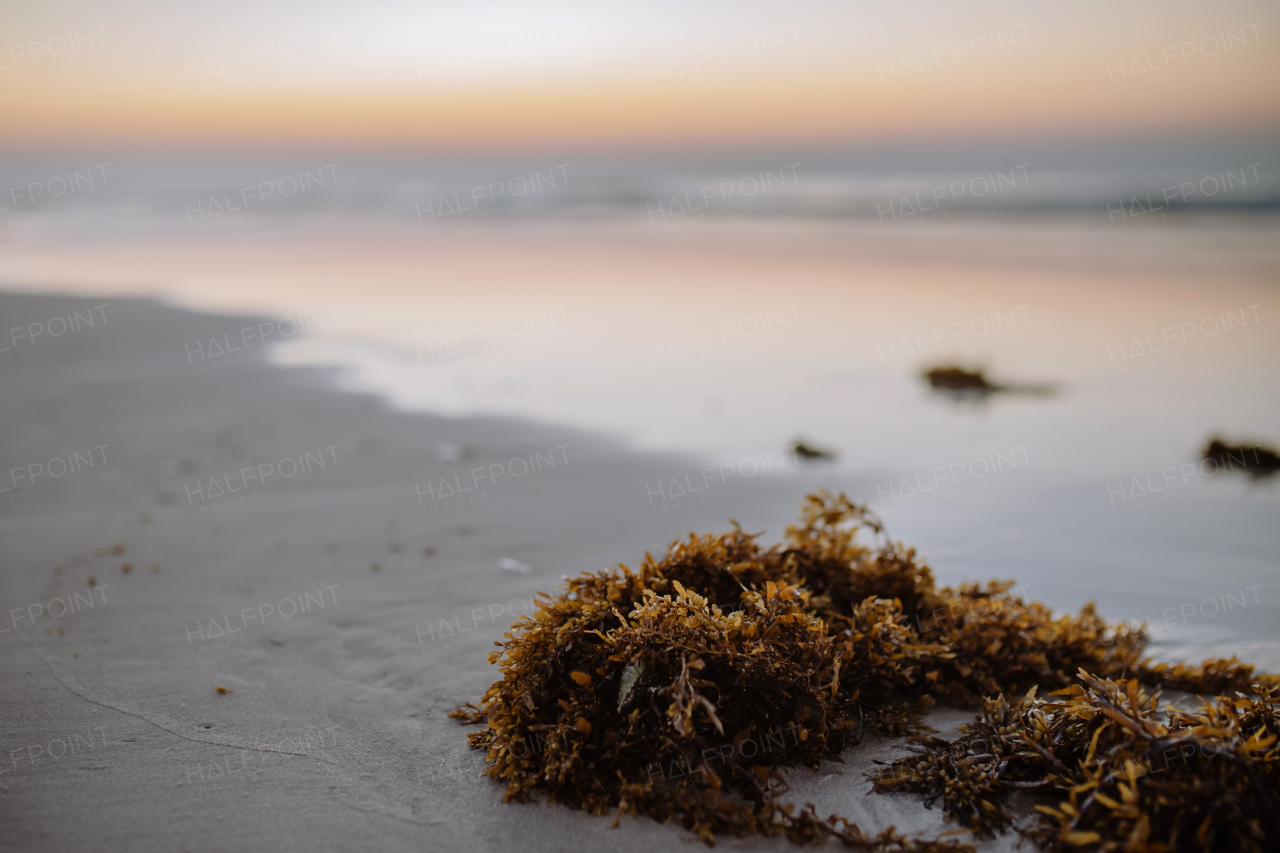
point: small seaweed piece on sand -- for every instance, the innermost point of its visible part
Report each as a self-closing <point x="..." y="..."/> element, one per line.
<point x="952" y="378"/>
<point x="680" y="690"/>
<point x="960" y="383"/>
<point x="812" y="453"/>
<point x="1257" y="461"/>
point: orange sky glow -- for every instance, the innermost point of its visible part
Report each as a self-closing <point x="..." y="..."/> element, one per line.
<point x="720" y="79"/>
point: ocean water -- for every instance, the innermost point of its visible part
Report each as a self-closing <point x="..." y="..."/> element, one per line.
<point x="678" y="309"/>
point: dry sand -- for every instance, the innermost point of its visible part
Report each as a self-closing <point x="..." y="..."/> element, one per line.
<point x="333" y="734"/>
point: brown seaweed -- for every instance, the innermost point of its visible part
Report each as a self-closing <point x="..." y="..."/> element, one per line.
<point x="1257" y="461"/>
<point x="961" y="383"/>
<point x="680" y="690"/>
<point x="1111" y="770"/>
<point x="952" y="378"/>
<point x="812" y="453"/>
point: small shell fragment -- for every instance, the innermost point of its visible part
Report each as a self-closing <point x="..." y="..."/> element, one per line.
<point x="515" y="566"/>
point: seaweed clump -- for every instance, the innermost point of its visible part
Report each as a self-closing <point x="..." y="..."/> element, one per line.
<point x="1257" y="461"/>
<point x="681" y="689"/>
<point x="952" y="378"/>
<point x="963" y="384"/>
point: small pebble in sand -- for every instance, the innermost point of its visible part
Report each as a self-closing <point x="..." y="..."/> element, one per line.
<point x="515" y="566"/>
<point x="144" y="516"/>
<point x="75" y="654"/>
<point x="155" y="570"/>
<point x="126" y="567"/>
<point x="429" y="551"/>
<point x="117" y="548"/>
<point x="375" y="567"/>
<point x="395" y="548"/>
<point x="222" y="689"/>
<point x="93" y="581"/>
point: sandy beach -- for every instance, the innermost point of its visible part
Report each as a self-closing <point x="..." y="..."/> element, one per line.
<point x="185" y="558"/>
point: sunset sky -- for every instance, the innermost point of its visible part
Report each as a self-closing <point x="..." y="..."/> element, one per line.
<point x="685" y="75"/>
